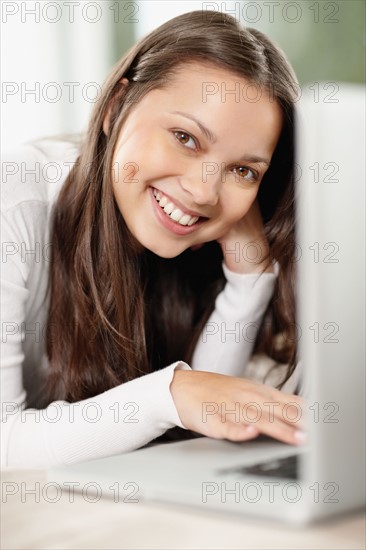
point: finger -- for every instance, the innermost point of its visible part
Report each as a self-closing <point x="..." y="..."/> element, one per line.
<point x="292" y="413"/>
<point x="288" y="411"/>
<point x="240" y="432"/>
<point x="290" y="407"/>
<point x="285" y="397"/>
<point x="272" y="412"/>
<point x="282" y="431"/>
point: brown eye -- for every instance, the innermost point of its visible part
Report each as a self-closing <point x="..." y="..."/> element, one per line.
<point x="184" y="138"/>
<point x="244" y="173"/>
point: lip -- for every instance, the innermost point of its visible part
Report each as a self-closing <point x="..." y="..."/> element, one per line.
<point x="170" y="224"/>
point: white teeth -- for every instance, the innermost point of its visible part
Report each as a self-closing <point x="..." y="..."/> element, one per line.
<point x="174" y="213"/>
<point x="168" y="209"/>
<point x="185" y="219"/>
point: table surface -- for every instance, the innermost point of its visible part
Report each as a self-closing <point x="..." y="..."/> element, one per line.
<point x="29" y="522"/>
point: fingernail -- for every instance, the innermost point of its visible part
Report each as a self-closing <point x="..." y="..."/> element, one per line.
<point x="300" y="436"/>
<point x="250" y="428"/>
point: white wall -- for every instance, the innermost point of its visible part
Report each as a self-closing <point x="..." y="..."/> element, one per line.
<point x="154" y="13"/>
<point x="57" y="43"/>
<point x="58" y="48"/>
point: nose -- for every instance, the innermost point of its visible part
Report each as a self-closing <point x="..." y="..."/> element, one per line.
<point x="203" y="186"/>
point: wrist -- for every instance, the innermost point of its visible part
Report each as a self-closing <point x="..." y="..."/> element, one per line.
<point x="179" y="378"/>
<point x="250" y="258"/>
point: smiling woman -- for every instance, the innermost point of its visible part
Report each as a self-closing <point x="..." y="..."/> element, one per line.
<point x="177" y="182"/>
<point x="175" y="196"/>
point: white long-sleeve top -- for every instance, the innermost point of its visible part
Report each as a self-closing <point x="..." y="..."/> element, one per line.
<point x="123" y="418"/>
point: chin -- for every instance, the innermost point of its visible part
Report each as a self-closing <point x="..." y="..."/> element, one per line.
<point x="167" y="253"/>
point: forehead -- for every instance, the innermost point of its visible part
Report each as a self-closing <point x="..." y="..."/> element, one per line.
<point x="217" y="82"/>
<point x="223" y="99"/>
<point x="240" y="114"/>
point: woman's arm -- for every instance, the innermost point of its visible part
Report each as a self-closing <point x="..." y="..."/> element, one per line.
<point x="121" y="419"/>
<point x="228" y="338"/>
<point x="118" y="420"/>
<point x="226" y="342"/>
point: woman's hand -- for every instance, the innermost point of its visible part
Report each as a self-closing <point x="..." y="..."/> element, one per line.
<point x="244" y="246"/>
<point x="226" y="407"/>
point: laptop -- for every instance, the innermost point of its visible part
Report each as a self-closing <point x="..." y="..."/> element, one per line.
<point x="264" y="477"/>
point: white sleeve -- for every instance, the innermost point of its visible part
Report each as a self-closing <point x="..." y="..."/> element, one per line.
<point x="121" y="419"/>
<point x="227" y="340"/>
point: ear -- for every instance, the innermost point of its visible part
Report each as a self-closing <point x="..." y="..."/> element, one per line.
<point x="106" y="122"/>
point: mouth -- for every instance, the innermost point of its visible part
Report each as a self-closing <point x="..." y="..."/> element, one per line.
<point x="172" y="216"/>
<point x="174" y="211"/>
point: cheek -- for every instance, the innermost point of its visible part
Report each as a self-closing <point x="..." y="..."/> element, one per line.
<point x="127" y="172"/>
<point x="144" y="156"/>
<point x="236" y="203"/>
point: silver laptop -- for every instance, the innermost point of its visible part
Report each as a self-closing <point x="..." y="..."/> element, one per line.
<point x="266" y="478"/>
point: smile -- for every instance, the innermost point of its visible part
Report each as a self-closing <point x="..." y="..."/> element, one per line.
<point x="172" y="210"/>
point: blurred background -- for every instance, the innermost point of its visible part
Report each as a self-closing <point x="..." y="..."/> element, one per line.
<point x="56" y="55"/>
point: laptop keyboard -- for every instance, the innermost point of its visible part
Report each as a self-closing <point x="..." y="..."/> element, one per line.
<point x="287" y="467"/>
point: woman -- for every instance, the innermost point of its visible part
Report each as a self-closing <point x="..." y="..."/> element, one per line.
<point x="167" y="249"/>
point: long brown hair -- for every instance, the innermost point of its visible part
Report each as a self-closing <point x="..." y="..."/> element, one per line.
<point x="117" y="312"/>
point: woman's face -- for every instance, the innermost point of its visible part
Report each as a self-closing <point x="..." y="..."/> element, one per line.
<point x="190" y="158"/>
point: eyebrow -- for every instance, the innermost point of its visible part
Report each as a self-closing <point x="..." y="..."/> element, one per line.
<point x="255" y="159"/>
<point x="210" y="135"/>
<point x="213" y="138"/>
